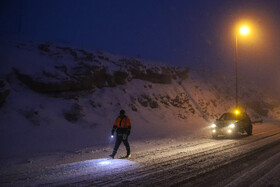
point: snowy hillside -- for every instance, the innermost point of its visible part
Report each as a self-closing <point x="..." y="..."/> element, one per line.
<point x="56" y="97"/>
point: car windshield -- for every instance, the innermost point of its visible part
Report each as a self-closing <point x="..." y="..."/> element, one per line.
<point x="228" y="116"/>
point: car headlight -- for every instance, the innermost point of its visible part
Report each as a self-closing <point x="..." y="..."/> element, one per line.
<point x="231" y="126"/>
<point x="213" y="125"/>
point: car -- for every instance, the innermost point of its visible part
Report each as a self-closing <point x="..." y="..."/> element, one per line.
<point x="232" y="123"/>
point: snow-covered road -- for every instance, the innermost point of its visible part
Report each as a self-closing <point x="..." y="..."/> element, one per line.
<point x="246" y="160"/>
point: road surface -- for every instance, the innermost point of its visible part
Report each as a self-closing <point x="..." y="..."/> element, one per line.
<point x="201" y="161"/>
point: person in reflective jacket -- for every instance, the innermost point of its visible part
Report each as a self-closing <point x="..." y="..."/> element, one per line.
<point x="122" y="126"/>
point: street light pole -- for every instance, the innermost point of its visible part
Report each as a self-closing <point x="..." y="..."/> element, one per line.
<point x="236" y="77"/>
<point x="244" y="30"/>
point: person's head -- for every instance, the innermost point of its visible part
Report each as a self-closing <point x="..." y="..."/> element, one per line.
<point x="122" y="112"/>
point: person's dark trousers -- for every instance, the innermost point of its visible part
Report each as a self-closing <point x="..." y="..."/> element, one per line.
<point x="119" y="140"/>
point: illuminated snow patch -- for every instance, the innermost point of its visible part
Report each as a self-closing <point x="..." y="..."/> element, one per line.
<point x="105" y="162"/>
<point x="94" y="168"/>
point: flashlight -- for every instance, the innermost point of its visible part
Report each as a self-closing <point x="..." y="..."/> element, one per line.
<point x="112" y="136"/>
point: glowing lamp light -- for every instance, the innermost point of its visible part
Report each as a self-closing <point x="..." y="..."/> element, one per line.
<point x="229" y="131"/>
<point x="244" y="30"/>
<point x="236" y="112"/>
<point x="112" y="136"/>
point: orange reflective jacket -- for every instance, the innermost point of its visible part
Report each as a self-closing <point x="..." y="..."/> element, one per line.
<point x="125" y="122"/>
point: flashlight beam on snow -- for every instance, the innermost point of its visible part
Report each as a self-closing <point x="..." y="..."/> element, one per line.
<point x="106" y="162"/>
<point x="114" y="163"/>
<point x="102" y="166"/>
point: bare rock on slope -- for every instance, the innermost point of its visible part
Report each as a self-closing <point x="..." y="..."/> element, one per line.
<point x="4" y="92"/>
<point x="104" y="72"/>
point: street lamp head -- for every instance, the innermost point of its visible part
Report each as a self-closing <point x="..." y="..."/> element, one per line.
<point x="237" y="112"/>
<point x="244" y="30"/>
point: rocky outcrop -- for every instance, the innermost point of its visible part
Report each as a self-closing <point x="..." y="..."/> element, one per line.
<point x="86" y="76"/>
<point x="4" y="92"/>
<point x="74" y="113"/>
<point x="261" y="108"/>
<point x="146" y="101"/>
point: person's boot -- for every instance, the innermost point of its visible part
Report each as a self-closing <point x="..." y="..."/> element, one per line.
<point x="111" y="156"/>
<point x="128" y="156"/>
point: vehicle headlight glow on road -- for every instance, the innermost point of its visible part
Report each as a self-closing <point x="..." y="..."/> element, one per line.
<point x="231" y="126"/>
<point x="213" y="125"/>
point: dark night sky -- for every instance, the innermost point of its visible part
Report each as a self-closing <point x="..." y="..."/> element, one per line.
<point x="196" y="33"/>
